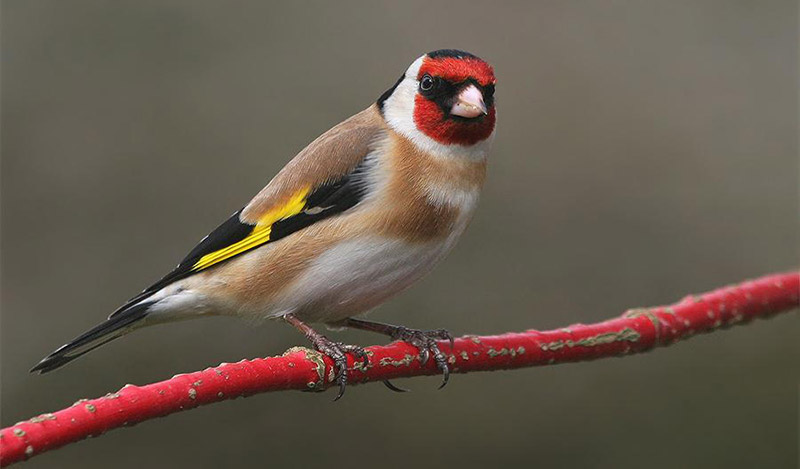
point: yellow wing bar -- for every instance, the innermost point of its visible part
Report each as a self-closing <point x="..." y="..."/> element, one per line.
<point x="259" y="235"/>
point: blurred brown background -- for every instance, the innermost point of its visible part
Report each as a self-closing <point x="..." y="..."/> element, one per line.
<point x="645" y="150"/>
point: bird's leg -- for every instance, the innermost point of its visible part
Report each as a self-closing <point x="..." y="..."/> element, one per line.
<point x="425" y="341"/>
<point x="335" y="350"/>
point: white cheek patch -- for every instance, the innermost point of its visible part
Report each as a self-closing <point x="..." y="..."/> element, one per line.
<point x="399" y="107"/>
<point x="398" y="110"/>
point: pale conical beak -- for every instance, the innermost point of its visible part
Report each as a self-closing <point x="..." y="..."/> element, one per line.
<point x="469" y="103"/>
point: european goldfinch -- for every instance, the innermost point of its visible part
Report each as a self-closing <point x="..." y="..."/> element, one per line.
<point x="356" y="217"/>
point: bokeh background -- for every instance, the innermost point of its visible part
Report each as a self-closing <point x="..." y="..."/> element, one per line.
<point x="645" y="150"/>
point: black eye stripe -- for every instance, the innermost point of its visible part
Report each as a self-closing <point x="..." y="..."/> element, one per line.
<point x="443" y="93"/>
<point x="436" y="88"/>
<point x="447" y="87"/>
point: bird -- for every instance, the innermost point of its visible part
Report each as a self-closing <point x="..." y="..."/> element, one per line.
<point x="356" y="217"/>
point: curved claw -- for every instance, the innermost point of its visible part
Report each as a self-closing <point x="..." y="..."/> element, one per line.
<point x="340" y="372"/>
<point x="342" y="386"/>
<point x="451" y="340"/>
<point x="424" y="354"/>
<point x="394" y="388"/>
<point x="445" y="377"/>
<point x="340" y="363"/>
<point x="441" y="363"/>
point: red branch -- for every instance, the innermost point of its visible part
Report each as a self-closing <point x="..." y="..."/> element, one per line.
<point x="638" y="330"/>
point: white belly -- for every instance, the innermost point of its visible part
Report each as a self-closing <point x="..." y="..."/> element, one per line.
<point x="356" y="276"/>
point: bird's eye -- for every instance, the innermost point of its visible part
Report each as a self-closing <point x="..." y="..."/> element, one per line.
<point x="427" y="83"/>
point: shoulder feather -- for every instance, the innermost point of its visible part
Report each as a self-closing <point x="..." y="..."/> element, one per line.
<point x="331" y="156"/>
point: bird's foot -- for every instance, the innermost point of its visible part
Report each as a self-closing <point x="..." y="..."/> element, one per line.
<point x="337" y="352"/>
<point x="425" y="342"/>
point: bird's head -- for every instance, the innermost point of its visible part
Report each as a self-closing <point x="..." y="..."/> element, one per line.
<point x="445" y="97"/>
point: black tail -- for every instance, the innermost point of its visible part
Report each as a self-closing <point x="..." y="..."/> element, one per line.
<point x="114" y="327"/>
